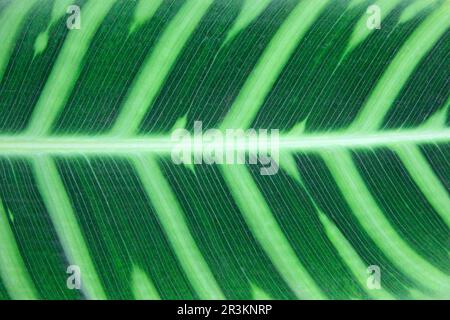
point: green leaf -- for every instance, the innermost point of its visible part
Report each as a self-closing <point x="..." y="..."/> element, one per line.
<point x="87" y="177"/>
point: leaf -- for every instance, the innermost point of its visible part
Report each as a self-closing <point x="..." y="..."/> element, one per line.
<point x="87" y="178"/>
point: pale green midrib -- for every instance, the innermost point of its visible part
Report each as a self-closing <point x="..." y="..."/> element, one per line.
<point x="427" y="181"/>
<point x="308" y="145"/>
<point x="157" y="66"/>
<point x="67" y="67"/>
<point x="271" y="64"/>
<point x="268" y="233"/>
<point x="54" y="145"/>
<point x="429" y="32"/>
<point x="174" y="224"/>
<point x="67" y="228"/>
<point x="372" y="219"/>
<point x="13" y="271"/>
<point x="10" y="21"/>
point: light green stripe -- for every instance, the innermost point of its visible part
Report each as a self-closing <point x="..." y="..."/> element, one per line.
<point x="360" y="30"/>
<point x="351" y="258"/>
<point x="344" y="248"/>
<point x="271" y="64"/>
<point x="144" y="10"/>
<point x="63" y="217"/>
<point x="59" y="10"/>
<point x="258" y="293"/>
<point x="356" y="3"/>
<point x="174" y="223"/>
<point x="263" y="225"/>
<point x="426" y="180"/>
<point x="371" y="117"/>
<point x="415" y="8"/>
<point x="371" y="218"/>
<point x="142" y="287"/>
<point x="156" y="68"/>
<point x="11" y="20"/>
<point x="67" y="68"/>
<point x="250" y="10"/>
<point x="13" y="271"/>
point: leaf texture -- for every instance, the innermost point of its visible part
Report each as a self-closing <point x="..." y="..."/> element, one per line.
<point x="87" y="179"/>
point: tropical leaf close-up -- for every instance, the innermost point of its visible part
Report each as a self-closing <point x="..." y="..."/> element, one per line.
<point x="331" y="117"/>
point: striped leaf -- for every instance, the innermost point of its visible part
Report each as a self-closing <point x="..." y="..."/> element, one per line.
<point x="89" y="190"/>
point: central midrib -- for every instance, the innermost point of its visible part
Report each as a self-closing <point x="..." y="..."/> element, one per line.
<point x="163" y="144"/>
